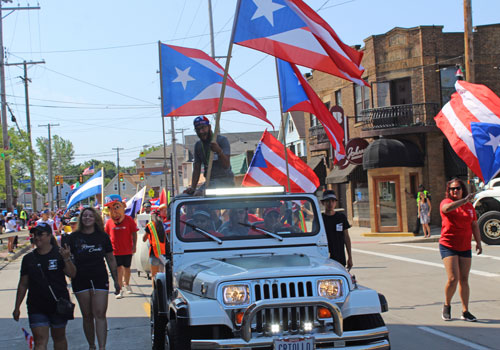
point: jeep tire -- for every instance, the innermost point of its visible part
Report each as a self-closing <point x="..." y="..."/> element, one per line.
<point x="489" y="226"/>
<point x="158" y="325"/>
<point x="178" y="338"/>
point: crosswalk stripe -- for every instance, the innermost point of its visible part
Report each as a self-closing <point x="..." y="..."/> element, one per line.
<point x="467" y="343"/>
<point x="437" y="249"/>
<point x="422" y="262"/>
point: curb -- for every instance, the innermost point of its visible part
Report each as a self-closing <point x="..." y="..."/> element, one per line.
<point x="431" y="239"/>
<point x="18" y="253"/>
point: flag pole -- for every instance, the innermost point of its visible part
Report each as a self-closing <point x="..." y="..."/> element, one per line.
<point x="283" y="123"/>
<point x="163" y="121"/>
<point x="222" y="91"/>
<point x="102" y="188"/>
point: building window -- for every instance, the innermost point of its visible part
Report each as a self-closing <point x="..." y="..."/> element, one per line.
<point x="338" y="98"/>
<point x="299" y="151"/>
<point x="327" y="105"/>
<point x="362" y="100"/>
<point x="290" y="125"/>
<point x="314" y="120"/>
<point x="448" y="79"/>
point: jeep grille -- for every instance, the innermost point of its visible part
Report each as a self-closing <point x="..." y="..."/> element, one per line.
<point x="289" y="319"/>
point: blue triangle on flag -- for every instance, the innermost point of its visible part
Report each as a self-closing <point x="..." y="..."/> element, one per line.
<point x="258" y="158"/>
<point x="487" y="143"/>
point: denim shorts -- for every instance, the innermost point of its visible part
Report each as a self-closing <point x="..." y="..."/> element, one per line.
<point x="154" y="261"/>
<point x="47" y="320"/>
<point x="446" y="252"/>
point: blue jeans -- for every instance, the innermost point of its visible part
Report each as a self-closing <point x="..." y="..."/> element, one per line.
<point x="47" y="320"/>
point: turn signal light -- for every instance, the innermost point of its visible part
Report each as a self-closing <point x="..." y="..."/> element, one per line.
<point x="239" y="318"/>
<point x="323" y="312"/>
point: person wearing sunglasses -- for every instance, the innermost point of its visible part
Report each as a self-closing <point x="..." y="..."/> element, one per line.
<point x="459" y="224"/>
<point x="42" y="276"/>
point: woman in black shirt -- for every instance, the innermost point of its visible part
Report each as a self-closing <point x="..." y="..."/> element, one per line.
<point x="90" y="246"/>
<point x="43" y="267"/>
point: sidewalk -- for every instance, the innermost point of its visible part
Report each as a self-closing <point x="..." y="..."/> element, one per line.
<point x="23" y="246"/>
<point x="364" y="234"/>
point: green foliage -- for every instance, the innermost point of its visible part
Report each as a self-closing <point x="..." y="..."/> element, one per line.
<point x="151" y="149"/>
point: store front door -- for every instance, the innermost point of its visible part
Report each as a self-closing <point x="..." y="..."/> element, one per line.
<point x="387" y="204"/>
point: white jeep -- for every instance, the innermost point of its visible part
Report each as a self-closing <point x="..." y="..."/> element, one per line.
<point x="487" y="204"/>
<point x="251" y="271"/>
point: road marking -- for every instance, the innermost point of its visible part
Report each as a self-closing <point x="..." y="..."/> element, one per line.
<point x="467" y="343"/>
<point x="437" y="249"/>
<point x="422" y="262"/>
<point x="147" y="308"/>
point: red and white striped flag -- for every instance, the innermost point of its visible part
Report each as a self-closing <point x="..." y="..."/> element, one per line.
<point x="472" y="103"/>
<point x="268" y="168"/>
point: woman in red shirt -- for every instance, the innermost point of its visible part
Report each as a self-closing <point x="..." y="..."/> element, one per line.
<point x="459" y="223"/>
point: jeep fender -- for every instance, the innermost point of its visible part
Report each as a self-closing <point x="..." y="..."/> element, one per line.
<point x="199" y="310"/>
<point x="161" y="293"/>
<point x="362" y="301"/>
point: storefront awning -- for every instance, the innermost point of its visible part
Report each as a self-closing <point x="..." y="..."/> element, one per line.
<point x="384" y="153"/>
<point x="314" y="162"/>
<point x="338" y="176"/>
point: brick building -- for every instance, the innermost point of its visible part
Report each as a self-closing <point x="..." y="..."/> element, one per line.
<point x="411" y="72"/>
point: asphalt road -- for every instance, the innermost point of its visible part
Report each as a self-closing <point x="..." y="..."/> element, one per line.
<point x="410" y="275"/>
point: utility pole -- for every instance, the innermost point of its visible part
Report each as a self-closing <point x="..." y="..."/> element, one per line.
<point x="468" y="41"/>
<point x="26" y="80"/>
<point x="182" y="132"/>
<point x="49" y="164"/>
<point x="3" y="98"/>
<point x="117" y="149"/>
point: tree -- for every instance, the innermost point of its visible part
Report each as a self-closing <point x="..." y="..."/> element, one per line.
<point x="20" y="158"/>
<point x="62" y="156"/>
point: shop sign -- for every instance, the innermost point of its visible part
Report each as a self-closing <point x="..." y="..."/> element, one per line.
<point x="355" y="149"/>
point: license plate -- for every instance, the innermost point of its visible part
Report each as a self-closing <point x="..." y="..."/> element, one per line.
<point x="301" y="343"/>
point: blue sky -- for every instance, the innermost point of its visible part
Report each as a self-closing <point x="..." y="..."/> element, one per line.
<point x="100" y="80"/>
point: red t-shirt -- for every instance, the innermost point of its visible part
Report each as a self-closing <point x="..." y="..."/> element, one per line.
<point x="121" y="235"/>
<point x="456" y="230"/>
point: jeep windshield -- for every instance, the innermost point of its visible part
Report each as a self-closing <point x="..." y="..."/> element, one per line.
<point x="248" y="218"/>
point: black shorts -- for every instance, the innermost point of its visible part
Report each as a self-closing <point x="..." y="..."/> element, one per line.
<point x="81" y="284"/>
<point x="123" y="260"/>
<point x="446" y="252"/>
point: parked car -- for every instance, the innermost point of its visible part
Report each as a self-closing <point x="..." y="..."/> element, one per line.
<point x="487" y="204"/>
<point x="252" y="271"/>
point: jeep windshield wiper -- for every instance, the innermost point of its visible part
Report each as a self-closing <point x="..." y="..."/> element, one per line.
<point x="267" y="232"/>
<point x="202" y="231"/>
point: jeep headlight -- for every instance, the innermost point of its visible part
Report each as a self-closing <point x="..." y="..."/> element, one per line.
<point x="237" y="294"/>
<point x="331" y="289"/>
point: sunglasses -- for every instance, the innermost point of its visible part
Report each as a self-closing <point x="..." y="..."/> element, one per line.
<point x="455" y="188"/>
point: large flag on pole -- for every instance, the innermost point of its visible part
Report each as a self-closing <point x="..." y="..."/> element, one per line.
<point x="298" y="95"/>
<point x="191" y="84"/>
<point x="470" y="122"/>
<point x="292" y="31"/>
<point x="90" y="188"/>
<point x="268" y="168"/>
<point x="134" y="204"/>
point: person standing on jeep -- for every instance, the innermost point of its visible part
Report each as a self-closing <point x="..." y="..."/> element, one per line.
<point x="336" y="227"/>
<point x="221" y="175"/>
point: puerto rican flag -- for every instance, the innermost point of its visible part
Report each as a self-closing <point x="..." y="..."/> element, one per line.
<point x="471" y="123"/>
<point x="292" y="31"/>
<point x="191" y="83"/>
<point x="89" y="170"/>
<point x="29" y="338"/>
<point x="268" y="168"/>
<point x="298" y="95"/>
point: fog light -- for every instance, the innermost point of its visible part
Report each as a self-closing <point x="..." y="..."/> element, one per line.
<point x="323" y="312"/>
<point x="308" y="326"/>
<point x="275" y="328"/>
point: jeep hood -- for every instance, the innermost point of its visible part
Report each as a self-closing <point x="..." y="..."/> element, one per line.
<point x="203" y="277"/>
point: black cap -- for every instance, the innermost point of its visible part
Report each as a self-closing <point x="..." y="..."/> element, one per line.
<point x="329" y="194"/>
<point x="41" y="227"/>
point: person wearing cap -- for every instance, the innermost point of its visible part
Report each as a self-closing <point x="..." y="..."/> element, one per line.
<point x="122" y="231"/>
<point x="10" y="227"/>
<point x="146" y="207"/>
<point x="336" y="227"/>
<point x="45" y="218"/>
<point x="221" y="174"/>
<point x="45" y="266"/>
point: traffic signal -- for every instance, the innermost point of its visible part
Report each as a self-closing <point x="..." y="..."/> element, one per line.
<point x="58" y="182"/>
<point x="81" y="179"/>
<point x="120" y="177"/>
<point x="141" y="176"/>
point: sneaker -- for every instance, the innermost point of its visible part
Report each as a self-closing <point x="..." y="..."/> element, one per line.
<point x="467" y="316"/>
<point x="119" y="295"/>
<point x="127" y="289"/>
<point x="446" y="313"/>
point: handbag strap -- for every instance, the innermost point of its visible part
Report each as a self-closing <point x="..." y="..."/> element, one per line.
<point x="43" y="275"/>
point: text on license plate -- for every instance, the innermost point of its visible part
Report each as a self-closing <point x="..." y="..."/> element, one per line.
<point x="294" y="344"/>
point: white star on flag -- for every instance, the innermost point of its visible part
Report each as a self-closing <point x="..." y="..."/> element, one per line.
<point x="494" y="142"/>
<point x="183" y="77"/>
<point x="266" y="8"/>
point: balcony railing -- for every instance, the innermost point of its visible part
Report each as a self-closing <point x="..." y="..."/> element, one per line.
<point x="317" y="134"/>
<point x="419" y="114"/>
